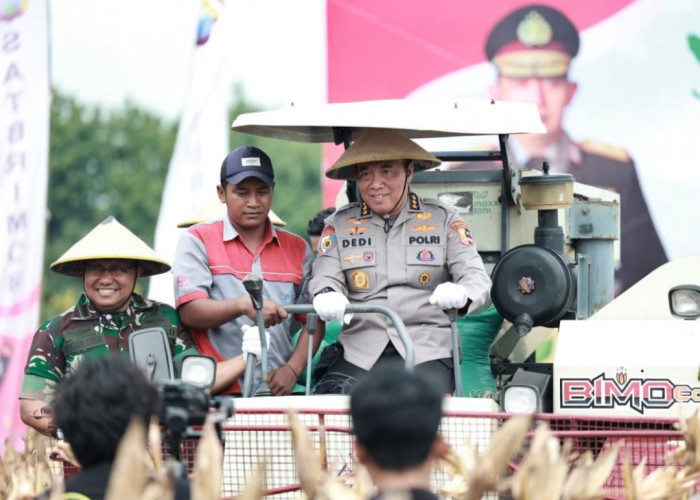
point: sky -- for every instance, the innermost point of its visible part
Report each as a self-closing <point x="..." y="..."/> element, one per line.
<point x="104" y="52"/>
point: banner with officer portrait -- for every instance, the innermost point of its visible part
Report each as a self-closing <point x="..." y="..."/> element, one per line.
<point x="632" y="106"/>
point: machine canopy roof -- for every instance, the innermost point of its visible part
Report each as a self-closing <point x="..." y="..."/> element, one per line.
<point x="416" y="118"/>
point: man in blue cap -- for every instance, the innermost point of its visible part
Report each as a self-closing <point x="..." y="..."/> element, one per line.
<point x="212" y="260"/>
<point x="532" y="49"/>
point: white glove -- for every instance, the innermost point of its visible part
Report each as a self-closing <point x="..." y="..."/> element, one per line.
<point x="251" y="341"/>
<point x="331" y="305"/>
<point x="449" y="296"/>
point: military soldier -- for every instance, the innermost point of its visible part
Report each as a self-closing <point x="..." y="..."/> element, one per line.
<point x="110" y="259"/>
<point x="395" y="249"/>
<point x="532" y="49"/>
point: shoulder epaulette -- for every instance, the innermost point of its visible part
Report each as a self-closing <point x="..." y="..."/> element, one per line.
<point x="607" y="150"/>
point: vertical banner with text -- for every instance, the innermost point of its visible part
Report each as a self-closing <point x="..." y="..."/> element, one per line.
<point x="24" y="145"/>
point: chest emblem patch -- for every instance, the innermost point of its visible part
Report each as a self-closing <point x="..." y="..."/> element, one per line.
<point x="366" y="257"/>
<point x="424" y="228"/>
<point x="360" y="280"/>
<point x="425" y="255"/>
<point x="357" y="229"/>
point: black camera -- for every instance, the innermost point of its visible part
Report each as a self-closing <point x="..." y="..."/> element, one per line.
<point x="185" y="402"/>
<point x="183" y="405"/>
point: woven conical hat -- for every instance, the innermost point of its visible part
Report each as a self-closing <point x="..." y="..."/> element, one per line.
<point x="109" y="240"/>
<point x="379" y="144"/>
<point x="212" y="209"/>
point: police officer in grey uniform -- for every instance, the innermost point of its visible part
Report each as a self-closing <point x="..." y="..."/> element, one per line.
<point x="532" y="48"/>
<point x="392" y="248"/>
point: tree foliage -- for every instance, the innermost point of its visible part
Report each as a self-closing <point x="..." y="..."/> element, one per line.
<point x="115" y="163"/>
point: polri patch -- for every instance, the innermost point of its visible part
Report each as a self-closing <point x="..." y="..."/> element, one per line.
<point x="328" y="239"/>
<point x="465" y="237"/>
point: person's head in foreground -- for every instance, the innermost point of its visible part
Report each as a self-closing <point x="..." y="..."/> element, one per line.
<point x="382" y="162"/>
<point x="96" y="403"/>
<point x="396" y="415"/>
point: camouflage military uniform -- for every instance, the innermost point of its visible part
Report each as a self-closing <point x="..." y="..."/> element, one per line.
<point x="63" y="342"/>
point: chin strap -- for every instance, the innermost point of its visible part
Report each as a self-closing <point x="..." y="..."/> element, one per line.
<point x="404" y="191"/>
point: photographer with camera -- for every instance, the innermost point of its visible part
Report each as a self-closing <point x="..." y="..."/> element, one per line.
<point x="93" y="409"/>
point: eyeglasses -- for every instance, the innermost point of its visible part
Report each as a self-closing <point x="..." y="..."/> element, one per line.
<point x="117" y="270"/>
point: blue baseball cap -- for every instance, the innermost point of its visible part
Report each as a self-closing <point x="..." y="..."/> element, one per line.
<point x="244" y="162"/>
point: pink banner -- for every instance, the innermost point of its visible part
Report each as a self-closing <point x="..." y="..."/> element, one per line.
<point x="24" y="141"/>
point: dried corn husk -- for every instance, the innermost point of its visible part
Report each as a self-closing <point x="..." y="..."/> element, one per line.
<point x="309" y="464"/>
<point x="155" y="444"/>
<point x="63" y="452"/>
<point x="29" y="473"/>
<point x="315" y="481"/>
<point x="457" y="467"/>
<point x="687" y="452"/>
<point x="481" y="472"/>
<point x="207" y="474"/>
<point x="542" y="470"/>
<point x="662" y="483"/>
<point x="586" y="480"/>
<point x="132" y="469"/>
<point x="255" y="485"/>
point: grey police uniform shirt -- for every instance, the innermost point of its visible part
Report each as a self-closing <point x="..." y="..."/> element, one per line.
<point x="428" y="244"/>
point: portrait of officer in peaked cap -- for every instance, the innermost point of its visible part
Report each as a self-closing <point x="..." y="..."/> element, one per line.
<point x="532" y="49"/>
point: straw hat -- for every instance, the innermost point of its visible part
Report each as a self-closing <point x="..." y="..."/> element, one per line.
<point x="379" y="144"/>
<point x="109" y="240"/>
<point x="212" y="208"/>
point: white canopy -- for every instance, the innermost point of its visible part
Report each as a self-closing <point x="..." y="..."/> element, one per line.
<point x="417" y="118"/>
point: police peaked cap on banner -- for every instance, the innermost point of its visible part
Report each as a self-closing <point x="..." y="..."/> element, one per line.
<point x="533" y="41"/>
<point x="379" y="144"/>
<point x="109" y="240"/>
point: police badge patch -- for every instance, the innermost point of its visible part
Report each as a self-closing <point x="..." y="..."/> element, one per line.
<point x="328" y="239"/>
<point x="465" y="237"/>
<point x="360" y="280"/>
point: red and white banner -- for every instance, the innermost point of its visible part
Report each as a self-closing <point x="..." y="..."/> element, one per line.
<point x="24" y="146"/>
<point x="202" y="140"/>
<point x="638" y="75"/>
